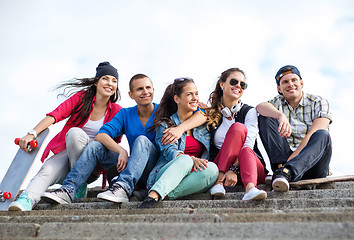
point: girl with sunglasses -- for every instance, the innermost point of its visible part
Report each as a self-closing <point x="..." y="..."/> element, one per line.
<point x="185" y="168"/>
<point x="90" y="105"/>
<point x="234" y="128"/>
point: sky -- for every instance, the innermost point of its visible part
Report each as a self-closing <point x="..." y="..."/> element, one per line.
<point x="44" y="43"/>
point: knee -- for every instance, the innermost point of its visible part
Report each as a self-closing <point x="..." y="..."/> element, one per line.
<point x="47" y="170"/>
<point x="214" y="170"/>
<point x="238" y="128"/>
<point x="211" y="171"/>
<point x="246" y="151"/>
<point x="183" y="161"/>
<point x="94" y="145"/>
<point x="322" y="134"/>
<point x="265" y="122"/>
<point x="74" y="133"/>
<point x="141" y="141"/>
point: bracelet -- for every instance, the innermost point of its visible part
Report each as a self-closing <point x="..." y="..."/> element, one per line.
<point x="193" y="158"/>
<point x="235" y="168"/>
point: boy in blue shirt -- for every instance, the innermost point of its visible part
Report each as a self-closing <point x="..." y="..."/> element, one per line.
<point x="134" y="122"/>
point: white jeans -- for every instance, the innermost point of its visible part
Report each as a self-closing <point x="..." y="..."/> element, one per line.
<point x="55" y="169"/>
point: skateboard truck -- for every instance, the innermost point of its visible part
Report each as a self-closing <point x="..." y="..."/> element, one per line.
<point x="31" y="144"/>
<point x="4" y="196"/>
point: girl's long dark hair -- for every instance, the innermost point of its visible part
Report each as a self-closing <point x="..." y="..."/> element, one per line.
<point x="215" y="99"/>
<point x="168" y="106"/>
<point x="83" y="109"/>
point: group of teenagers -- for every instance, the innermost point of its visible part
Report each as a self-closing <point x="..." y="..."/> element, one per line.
<point x="179" y="146"/>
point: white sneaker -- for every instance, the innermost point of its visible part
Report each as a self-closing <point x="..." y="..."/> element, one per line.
<point x="114" y="194"/>
<point x="59" y="196"/>
<point x="255" y="194"/>
<point x="217" y="190"/>
<point x="280" y="185"/>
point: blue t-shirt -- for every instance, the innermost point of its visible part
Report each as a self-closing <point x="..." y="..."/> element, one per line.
<point x="127" y="122"/>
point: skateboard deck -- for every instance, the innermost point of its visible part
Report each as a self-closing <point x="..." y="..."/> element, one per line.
<point x="312" y="183"/>
<point x="18" y="171"/>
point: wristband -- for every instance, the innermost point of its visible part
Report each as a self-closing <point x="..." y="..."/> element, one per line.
<point x="32" y="132"/>
<point x="193" y="158"/>
<point x="235" y="169"/>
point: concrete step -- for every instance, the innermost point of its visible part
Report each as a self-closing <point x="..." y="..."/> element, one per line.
<point x="193" y="217"/>
<point x="224" y="203"/>
<point x="92" y="193"/>
<point x="318" y="194"/>
<point x="324" y="213"/>
<point x="168" y="211"/>
<point x="259" y="230"/>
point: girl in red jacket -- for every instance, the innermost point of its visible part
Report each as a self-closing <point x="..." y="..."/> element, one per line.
<point x="89" y="107"/>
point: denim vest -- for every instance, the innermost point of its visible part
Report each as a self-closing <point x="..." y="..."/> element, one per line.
<point x="170" y="151"/>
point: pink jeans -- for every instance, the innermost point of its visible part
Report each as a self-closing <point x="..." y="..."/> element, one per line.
<point x="251" y="168"/>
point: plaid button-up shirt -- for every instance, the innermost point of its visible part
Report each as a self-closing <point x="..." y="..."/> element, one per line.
<point x="302" y="117"/>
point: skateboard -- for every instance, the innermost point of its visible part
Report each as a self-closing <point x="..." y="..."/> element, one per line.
<point x="18" y="170"/>
<point x="313" y="183"/>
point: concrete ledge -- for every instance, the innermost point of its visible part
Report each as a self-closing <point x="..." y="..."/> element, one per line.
<point x="193" y="204"/>
<point x="197" y="230"/>
<point x="18" y="230"/>
<point x="196" y="217"/>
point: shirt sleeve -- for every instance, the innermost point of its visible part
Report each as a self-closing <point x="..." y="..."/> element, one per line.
<point x="322" y="110"/>
<point x="251" y="123"/>
<point x="169" y="151"/>
<point x="64" y="110"/>
<point x="276" y="102"/>
<point x="115" y="127"/>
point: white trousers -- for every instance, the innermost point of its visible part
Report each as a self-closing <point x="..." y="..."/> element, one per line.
<point x="55" y="169"/>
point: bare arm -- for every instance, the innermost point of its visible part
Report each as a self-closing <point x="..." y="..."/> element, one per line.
<point x="109" y="143"/>
<point x="43" y="124"/>
<point x="171" y="135"/>
<point x="268" y="110"/>
<point x="318" y="123"/>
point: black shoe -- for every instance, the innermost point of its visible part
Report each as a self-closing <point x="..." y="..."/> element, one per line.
<point x="148" y="202"/>
<point x="112" y="175"/>
<point x="141" y="194"/>
<point x="281" y="178"/>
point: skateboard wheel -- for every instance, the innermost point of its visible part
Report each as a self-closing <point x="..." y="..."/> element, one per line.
<point x="34" y="143"/>
<point x="17" y="141"/>
<point x="7" y="195"/>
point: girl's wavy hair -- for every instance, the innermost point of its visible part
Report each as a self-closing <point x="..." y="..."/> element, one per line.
<point x="168" y="106"/>
<point x="83" y="109"/>
<point x="215" y="99"/>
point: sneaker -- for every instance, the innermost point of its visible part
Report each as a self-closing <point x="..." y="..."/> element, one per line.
<point x="81" y="192"/>
<point x="268" y="179"/>
<point x="255" y="194"/>
<point x="149" y="202"/>
<point x="114" y="194"/>
<point x="23" y="203"/>
<point x="141" y="194"/>
<point x="217" y="190"/>
<point x="59" y="196"/>
<point x="281" y="179"/>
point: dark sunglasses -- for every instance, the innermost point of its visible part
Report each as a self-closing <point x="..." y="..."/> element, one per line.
<point x="234" y="82"/>
<point x="183" y="79"/>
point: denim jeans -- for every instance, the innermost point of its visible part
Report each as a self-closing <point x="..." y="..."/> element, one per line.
<point x="311" y="162"/>
<point x="95" y="153"/>
<point x="142" y="160"/>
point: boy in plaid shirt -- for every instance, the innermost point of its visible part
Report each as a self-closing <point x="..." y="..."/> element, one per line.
<point x="293" y="127"/>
